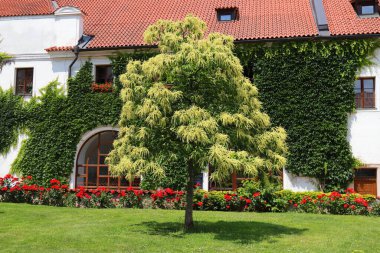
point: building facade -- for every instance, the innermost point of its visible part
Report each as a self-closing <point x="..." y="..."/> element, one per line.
<point x="51" y="40"/>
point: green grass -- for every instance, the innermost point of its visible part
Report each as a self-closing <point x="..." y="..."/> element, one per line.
<point x="26" y="228"/>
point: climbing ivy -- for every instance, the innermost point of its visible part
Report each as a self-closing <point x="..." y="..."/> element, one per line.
<point x="11" y="119"/>
<point x="307" y="88"/>
<point x="56" y="123"/>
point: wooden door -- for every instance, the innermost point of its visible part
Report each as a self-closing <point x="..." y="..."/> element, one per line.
<point x="365" y="181"/>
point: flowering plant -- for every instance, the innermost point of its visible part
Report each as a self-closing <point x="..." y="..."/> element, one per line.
<point x="103" y="87"/>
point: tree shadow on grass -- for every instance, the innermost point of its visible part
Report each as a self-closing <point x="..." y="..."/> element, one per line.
<point x="242" y="232"/>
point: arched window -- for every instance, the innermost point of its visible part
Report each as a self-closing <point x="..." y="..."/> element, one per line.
<point x="91" y="169"/>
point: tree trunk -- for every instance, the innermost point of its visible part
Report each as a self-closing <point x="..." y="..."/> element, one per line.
<point x="189" y="223"/>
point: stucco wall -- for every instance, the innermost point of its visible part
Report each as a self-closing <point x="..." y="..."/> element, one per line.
<point x="7" y="160"/>
<point x="364" y="124"/>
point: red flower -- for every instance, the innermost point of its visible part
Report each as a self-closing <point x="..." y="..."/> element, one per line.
<point x="8" y="176"/>
<point x="228" y="207"/>
<point x="55" y="182"/>
<point x="169" y="191"/>
<point x="65" y="187"/>
<point x="29" y="177"/>
<point x="248" y="201"/>
<point x="4" y="189"/>
<point x="256" y="194"/>
<point x="197" y="185"/>
<point x="55" y="187"/>
<point x="227" y="197"/>
<point x="361" y="201"/>
<point x="200" y="204"/>
<point x="353" y="207"/>
<point x="295" y="205"/>
<point x="321" y="196"/>
<point x="205" y="196"/>
<point x="334" y="195"/>
<point x="350" y="190"/>
<point x="346" y="206"/>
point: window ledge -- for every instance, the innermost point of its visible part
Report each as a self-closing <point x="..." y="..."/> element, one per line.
<point x="366" y="110"/>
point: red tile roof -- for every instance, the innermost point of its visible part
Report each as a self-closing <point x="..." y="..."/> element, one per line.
<point x="25" y="7"/>
<point x="343" y="19"/>
<point x="121" y="23"/>
<point x="56" y="49"/>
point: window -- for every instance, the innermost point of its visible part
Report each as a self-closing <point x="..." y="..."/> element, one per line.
<point x="232" y="183"/>
<point x="365" y="93"/>
<point x="103" y="74"/>
<point x="365" y="181"/>
<point x="24" y="81"/>
<point x="91" y="168"/>
<point x="366" y="7"/>
<point x="227" y="14"/>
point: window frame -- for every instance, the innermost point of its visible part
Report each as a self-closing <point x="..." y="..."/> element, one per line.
<point x="23" y="94"/>
<point x="362" y="100"/>
<point x="365" y="14"/>
<point x="358" y="4"/>
<point x="98" y="167"/>
<point x="96" y="73"/>
<point x="227" y="11"/>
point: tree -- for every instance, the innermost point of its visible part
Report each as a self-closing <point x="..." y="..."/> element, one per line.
<point x="192" y="101"/>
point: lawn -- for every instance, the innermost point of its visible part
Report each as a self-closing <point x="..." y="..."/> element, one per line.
<point x="26" y="228"/>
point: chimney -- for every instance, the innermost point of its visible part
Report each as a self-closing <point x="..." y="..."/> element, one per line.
<point x="68" y="26"/>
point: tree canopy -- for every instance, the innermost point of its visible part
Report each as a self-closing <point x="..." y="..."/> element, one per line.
<point x="192" y="101"/>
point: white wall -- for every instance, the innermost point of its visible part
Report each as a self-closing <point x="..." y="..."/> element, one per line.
<point x="33" y="34"/>
<point x="7" y="160"/>
<point x="364" y="124"/>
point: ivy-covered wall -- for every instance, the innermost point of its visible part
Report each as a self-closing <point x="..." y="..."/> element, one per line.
<point x="306" y="87"/>
<point x="56" y="122"/>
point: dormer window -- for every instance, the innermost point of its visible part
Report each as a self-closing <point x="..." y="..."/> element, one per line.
<point x="365" y="8"/>
<point x="368" y="9"/>
<point x="225" y="15"/>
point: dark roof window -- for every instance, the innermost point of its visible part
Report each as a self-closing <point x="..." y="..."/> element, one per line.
<point x="366" y="7"/>
<point x="229" y="14"/>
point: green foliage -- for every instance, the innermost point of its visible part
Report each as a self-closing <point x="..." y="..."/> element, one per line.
<point x="307" y="88"/>
<point x="11" y="118"/>
<point x="4" y="59"/>
<point x="211" y="114"/>
<point x="120" y="61"/>
<point x="192" y="103"/>
<point x="56" y="122"/>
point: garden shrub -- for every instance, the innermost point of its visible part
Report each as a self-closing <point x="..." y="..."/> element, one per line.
<point x="57" y="194"/>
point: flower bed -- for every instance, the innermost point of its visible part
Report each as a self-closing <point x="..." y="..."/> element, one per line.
<point x="24" y="191"/>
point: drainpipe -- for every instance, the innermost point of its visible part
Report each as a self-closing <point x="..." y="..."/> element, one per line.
<point x="76" y="52"/>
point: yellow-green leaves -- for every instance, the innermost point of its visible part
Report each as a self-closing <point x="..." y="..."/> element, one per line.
<point x="193" y="102"/>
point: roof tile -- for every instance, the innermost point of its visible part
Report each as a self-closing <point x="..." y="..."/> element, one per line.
<point x="343" y="19"/>
<point x="121" y="23"/>
<point x="25" y="7"/>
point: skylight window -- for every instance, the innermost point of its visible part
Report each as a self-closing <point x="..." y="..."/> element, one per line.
<point x="366" y="8"/>
<point x="226" y="15"/>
